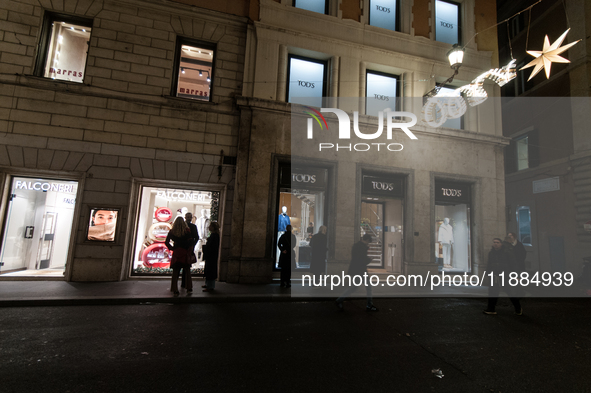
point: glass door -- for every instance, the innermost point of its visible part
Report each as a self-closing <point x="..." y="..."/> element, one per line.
<point x="372" y="222"/>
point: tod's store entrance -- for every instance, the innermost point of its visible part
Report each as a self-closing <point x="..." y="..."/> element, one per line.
<point x="37" y="227"/>
<point x="381" y="215"/>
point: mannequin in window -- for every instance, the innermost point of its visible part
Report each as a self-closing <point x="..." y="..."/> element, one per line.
<point x="202" y="224"/>
<point x="446" y="238"/>
<point x="284" y="219"/>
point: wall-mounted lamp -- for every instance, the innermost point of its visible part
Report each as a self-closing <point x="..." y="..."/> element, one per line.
<point x="455" y="57"/>
<point x="200" y="73"/>
<point x="182" y="70"/>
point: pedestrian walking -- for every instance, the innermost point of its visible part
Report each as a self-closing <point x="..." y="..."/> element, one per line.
<point x="501" y="260"/>
<point x="318" y="245"/>
<point x="286" y="245"/>
<point x="181" y="238"/>
<point x="211" y="252"/>
<point x="519" y="251"/>
<point x="358" y="267"/>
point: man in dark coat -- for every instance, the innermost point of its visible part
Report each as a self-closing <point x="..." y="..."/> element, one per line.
<point x="318" y="245"/>
<point x="358" y="267"/>
<point x="501" y="260"/>
<point x="519" y="251"/>
<point x="286" y="245"/>
<point x="194" y="239"/>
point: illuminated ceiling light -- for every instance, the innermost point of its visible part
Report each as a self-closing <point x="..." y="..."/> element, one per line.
<point x="200" y="73"/>
<point x="182" y="70"/>
<point x="84" y="30"/>
<point x="208" y="79"/>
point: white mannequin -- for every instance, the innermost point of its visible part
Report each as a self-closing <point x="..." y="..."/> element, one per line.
<point x="202" y="224"/>
<point x="284" y="220"/>
<point x="446" y="238"/>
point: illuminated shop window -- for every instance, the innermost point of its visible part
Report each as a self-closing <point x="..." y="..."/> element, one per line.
<point x="306" y="79"/>
<point x="194" y="70"/>
<point x="158" y="208"/>
<point x="447" y="22"/>
<point x="64" y="48"/>
<point x="37" y="227"/>
<point x="320" y="6"/>
<point x="381" y="91"/>
<point x="383" y="13"/>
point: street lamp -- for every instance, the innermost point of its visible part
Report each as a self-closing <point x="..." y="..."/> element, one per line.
<point x="456" y="56"/>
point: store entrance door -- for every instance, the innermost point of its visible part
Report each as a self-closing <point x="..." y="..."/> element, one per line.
<point x="372" y="222"/>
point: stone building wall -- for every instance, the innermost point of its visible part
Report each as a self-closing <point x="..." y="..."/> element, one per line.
<point x="122" y="123"/>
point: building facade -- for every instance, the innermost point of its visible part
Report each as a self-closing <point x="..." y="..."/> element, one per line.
<point x="548" y="160"/>
<point x="116" y="117"/>
<point x="345" y="50"/>
<point x="119" y="116"/>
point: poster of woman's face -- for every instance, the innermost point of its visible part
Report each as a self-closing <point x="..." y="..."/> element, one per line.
<point x="103" y="222"/>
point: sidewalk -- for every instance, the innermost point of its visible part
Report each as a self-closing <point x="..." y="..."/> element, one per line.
<point x="138" y="291"/>
<point x="58" y="293"/>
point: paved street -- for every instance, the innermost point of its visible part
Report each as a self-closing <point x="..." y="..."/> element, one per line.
<point x="298" y="346"/>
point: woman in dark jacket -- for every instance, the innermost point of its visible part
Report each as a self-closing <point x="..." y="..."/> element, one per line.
<point x="286" y="245"/>
<point x="210" y="256"/>
<point x="318" y="245"/>
<point x="182" y="239"/>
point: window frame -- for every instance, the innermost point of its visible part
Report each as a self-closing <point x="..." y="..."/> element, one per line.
<point x="43" y="45"/>
<point x="398" y="87"/>
<point x="459" y="5"/>
<point x="517" y="141"/>
<point x="397" y="19"/>
<point x="309" y="59"/>
<point x="325" y="7"/>
<point x="462" y="125"/>
<point x="180" y="41"/>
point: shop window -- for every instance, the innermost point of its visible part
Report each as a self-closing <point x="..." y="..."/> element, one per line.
<point x="452" y="226"/>
<point x="381" y="92"/>
<point x="320" y="6"/>
<point x="64" y="47"/>
<point x="384" y="14"/>
<point x="38" y="226"/>
<point x="523" y="152"/>
<point x="193" y="77"/>
<point x="301" y="204"/>
<point x="306" y="79"/>
<point x="447" y="22"/>
<point x="157" y="211"/>
<point x="524" y="224"/>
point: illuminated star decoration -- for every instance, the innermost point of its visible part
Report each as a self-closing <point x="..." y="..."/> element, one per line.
<point x="548" y="55"/>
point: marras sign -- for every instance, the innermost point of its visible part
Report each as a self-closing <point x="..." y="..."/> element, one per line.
<point x="42" y="186"/>
<point x="59" y="71"/>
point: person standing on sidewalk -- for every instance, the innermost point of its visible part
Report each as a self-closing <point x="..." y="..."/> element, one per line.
<point x="211" y="251"/>
<point x="520" y="252"/>
<point x="194" y="239"/>
<point x="180" y="234"/>
<point x="358" y="267"/>
<point x="500" y="260"/>
<point x="286" y="245"/>
<point x="318" y="245"/>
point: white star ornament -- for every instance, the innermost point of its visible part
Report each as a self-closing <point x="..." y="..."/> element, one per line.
<point x="545" y="58"/>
